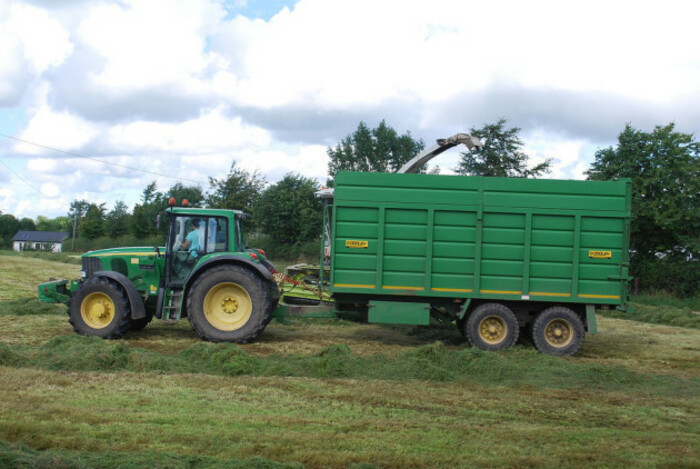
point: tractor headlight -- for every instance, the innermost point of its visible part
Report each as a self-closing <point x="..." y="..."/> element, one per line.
<point x="83" y="274"/>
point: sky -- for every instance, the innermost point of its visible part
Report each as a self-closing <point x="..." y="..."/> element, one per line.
<point x="134" y="91"/>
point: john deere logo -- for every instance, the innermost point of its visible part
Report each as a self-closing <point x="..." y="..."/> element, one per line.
<point x="353" y="243"/>
<point x="600" y="254"/>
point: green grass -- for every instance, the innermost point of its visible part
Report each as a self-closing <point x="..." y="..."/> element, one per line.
<point x="337" y="394"/>
<point x="21" y="456"/>
<point x="20" y="274"/>
<point x="63" y="257"/>
<point x="664" y="299"/>
<point x="651" y="309"/>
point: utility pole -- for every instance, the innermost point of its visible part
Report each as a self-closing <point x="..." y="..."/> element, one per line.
<point x="75" y="221"/>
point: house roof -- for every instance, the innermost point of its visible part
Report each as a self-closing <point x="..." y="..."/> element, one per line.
<point x="40" y="236"/>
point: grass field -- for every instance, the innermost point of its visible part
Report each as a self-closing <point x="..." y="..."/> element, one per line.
<point x="337" y="394"/>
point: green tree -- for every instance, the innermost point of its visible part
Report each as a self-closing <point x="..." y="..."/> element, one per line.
<point x="46" y="224"/>
<point x="501" y="154"/>
<point x="239" y="190"/>
<point x="380" y="149"/>
<point x="117" y="221"/>
<point x="78" y="208"/>
<point x="27" y="224"/>
<point x="180" y="192"/>
<point x="664" y="166"/>
<point x="288" y="210"/>
<point x="9" y="226"/>
<point x="92" y="225"/>
<point x="143" y="221"/>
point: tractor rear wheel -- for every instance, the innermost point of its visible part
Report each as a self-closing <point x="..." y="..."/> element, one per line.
<point x="228" y="304"/>
<point x="558" y="331"/>
<point x="492" y="326"/>
<point x="100" y="308"/>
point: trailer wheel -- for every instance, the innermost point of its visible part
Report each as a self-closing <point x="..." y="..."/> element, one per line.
<point x="228" y="304"/>
<point x="100" y="308"/>
<point x="492" y="326"/>
<point x="558" y="331"/>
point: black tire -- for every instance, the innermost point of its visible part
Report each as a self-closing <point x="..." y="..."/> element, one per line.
<point x="558" y="331"/>
<point x="139" y="324"/>
<point x="492" y="326"/>
<point x="228" y="303"/>
<point x="100" y="308"/>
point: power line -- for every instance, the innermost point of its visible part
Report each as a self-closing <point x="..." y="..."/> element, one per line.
<point x="100" y="161"/>
<point x="21" y="178"/>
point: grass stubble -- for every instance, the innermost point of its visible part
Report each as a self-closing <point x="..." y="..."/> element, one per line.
<point x="339" y="394"/>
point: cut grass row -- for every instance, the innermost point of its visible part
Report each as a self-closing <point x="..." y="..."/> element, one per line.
<point x="21" y="457"/>
<point x="433" y="362"/>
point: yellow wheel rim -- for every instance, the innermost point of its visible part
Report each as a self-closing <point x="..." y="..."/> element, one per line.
<point x="559" y="333"/>
<point x="493" y="330"/>
<point x="227" y="306"/>
<point x="97" y="310"/>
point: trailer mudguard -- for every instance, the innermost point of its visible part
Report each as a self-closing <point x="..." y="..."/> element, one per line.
<point x="138" y="310"/>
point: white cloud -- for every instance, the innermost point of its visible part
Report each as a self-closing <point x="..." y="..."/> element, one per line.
<point x="149" y="43"/>
<point x="564" y="152"/>
<point x="210" y="132"/>
<point x="50" y="190"/>
<point x="32" y="43"/>
<point x="45" y="42"/>
<point x="349" y="54"/>
<point x="57" y="129"/>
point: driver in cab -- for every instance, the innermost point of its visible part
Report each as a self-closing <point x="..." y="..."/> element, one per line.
<point x="192" y="241"/>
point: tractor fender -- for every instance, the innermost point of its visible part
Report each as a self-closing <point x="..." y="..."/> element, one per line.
<point x="259" y="269"/>
<point x="138" y="310"/>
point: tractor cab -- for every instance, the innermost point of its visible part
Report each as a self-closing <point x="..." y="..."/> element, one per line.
<point x="193" y="236"/>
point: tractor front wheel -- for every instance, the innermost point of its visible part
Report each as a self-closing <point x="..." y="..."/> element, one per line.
<point x="100" y="308"/>
<point x="228" y="304"/>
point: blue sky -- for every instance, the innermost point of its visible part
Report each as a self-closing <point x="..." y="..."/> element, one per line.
<point x="256" y="9"/>
<point x="184" y="88"/>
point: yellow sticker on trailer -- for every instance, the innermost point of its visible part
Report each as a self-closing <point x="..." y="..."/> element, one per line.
<point x="600" y="254"/>
<point x="356" y="244"/>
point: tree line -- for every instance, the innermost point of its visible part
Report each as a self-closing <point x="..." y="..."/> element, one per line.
<point x="664" y="166"/>
<point x="285" y="212"/>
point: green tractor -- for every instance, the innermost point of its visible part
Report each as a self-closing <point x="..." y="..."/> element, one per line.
<point x="205" y="273"/>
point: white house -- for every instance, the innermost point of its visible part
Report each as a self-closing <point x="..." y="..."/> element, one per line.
<point x="38" y="240"/>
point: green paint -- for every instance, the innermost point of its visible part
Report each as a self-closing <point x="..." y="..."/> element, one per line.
<point x="592" y="324"/>
<point x="393" y="312"/>
<point x="434" y="236"/>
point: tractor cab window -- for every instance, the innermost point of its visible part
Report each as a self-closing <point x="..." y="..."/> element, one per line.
<point x="192" y="238"/>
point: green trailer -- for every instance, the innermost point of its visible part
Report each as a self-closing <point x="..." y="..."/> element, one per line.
<point x="496" y="255"/>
